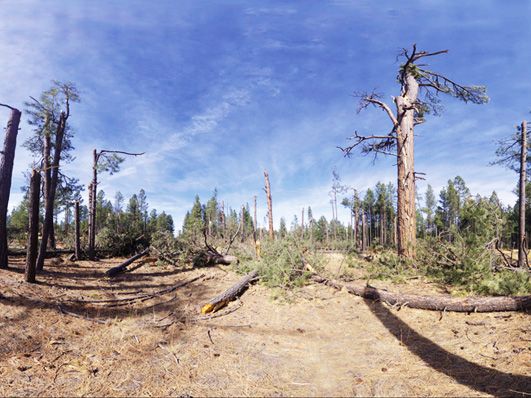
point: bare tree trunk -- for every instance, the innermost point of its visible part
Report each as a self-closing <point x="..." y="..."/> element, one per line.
<point x="89" y="214"/>
<point x="77" y="246"/>
<point x="33" y="233"/>
<point x="363" y="232"/>
<point x="406" y="210"/>
<point x="269" y="205"/>
<point x="242" y="223"/>
<point x="355" y="224"/>
<point x="52" y="242"/>
<point x="92" y="211"/>
<point x="521" y="221"/>
<point x="6" y="173"/>
<point x="395" y="231"/>
<point x="50" y="197"/>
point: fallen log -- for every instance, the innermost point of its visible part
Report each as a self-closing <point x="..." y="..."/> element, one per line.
<point x="208" y="258"/>
<point x="224" y="298"/>
<point x="434" y="303"/>
<point x="123" y="266"/>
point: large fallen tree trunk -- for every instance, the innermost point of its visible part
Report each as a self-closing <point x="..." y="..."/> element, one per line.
<point x="224" y="298"/>
<point x="207" y="258"/>
<point x="123" y="266"/>
<point x="434" y="303"/>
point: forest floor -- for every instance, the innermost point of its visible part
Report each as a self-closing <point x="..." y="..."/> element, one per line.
<point x="313" y="342"/>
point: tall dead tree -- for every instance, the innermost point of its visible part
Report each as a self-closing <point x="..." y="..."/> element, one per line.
<point x="103" y="161"/>
<point x="513" y="153"/>
<point x="269" y="205"/>
<point x="6" y="173"/>
<point x="419" y="96"/>
<point x="522" y="255"/>
<point x="363" y="231"/>
<point x="33" y="231"/>
<point x="77" y="245"/>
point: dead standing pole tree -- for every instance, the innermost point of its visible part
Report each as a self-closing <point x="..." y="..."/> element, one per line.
<point x="6" y="173"/>
<point x="522" y="255"/>
<point x="513" y="153"/>
<point x="33" y="232"/>
<point x="103" y="161"/>
<point x="269" y="205"/>
<point x="419" y="96"/>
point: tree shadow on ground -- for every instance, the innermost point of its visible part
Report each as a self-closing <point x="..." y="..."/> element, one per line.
<point x="477" y="377"/>
<point x="78" y="300"/>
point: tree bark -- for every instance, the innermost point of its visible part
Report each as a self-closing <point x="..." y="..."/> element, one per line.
<point x="522" y="255"/>
<point x="6" y="174"/>
<point x="406" y="210"/>
<point x="224" y="298"/>
<point x="434" y="303"/>
<point x="33" y="233"/>
<point x="50" y="197"/>
<point x="92" y="211"/>
<point x="77" y="245"/>
<point x="269" y="205"/>
<point x="355" y="223"/>
<point x="242" y="221"/>
<point x="363" y="232"/>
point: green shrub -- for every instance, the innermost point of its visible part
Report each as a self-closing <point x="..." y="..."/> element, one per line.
<point x="282" y="263"/>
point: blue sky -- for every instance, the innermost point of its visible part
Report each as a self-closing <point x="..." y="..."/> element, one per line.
<point x="217" y="91"/>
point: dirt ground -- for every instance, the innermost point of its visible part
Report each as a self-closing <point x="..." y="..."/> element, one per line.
<point x="76" y="333"/>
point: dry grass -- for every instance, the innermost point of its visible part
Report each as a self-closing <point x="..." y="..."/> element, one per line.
<point x="323" y="343"/>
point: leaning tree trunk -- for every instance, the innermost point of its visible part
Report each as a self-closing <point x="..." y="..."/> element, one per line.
<point x="522" y="256"/>
<point x="50" y="198"/>
<point x="6" y="173"/>
<point x="406" y="211"/>
<point x="33" y="233"/>
<point x="269" y="205"/>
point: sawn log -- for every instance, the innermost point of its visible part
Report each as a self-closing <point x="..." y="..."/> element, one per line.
<point x="434" y="303"/>
<point x="224" y="298"/>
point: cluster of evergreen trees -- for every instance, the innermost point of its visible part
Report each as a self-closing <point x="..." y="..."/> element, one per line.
<point x="118" y="223"/>
<point x="217" y="221"/>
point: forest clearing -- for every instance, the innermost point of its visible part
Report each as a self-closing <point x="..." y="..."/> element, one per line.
<point x="308" y="343"/>
<point x="264" y="200"/>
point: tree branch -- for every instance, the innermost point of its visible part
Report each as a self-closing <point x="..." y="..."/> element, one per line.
<point x="10" y="107"/>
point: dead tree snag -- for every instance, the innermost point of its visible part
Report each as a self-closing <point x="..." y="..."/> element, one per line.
<point x="6" y="173"/>
<point x="33" y="233"/>
<point x="419" y="90"/>
<point x="269" y="205"/>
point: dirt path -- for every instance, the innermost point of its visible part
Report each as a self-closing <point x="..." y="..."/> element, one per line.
<point x="322" y="343"/>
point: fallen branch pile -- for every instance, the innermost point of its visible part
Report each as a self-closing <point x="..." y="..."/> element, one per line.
<point x="433" y="303"/>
